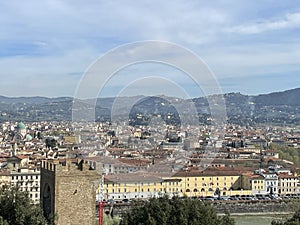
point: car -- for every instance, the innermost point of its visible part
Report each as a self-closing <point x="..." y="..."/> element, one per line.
<point x="125" y="200"/>
<point x="209" y="198"/>
<point x="233" y="198"/>
<point x="224" y="198"/>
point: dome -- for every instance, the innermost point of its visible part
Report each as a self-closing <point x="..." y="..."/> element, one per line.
<point x="21" y="126"/>
<point x="28" y="137"/>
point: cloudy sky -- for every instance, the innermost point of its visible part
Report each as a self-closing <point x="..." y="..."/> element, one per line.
<point x="47" y="46"/>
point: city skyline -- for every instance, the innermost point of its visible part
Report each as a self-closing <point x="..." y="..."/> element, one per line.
<point x="251" y="47"/>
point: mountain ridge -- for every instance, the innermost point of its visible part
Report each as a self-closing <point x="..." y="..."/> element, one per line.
<point x="275" y="107"/>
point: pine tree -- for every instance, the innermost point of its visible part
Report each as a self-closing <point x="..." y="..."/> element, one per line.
<point x="165" y="211"/>
<point x="16" y="208"/>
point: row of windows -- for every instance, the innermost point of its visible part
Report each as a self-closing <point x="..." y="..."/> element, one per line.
<point x="119" y="190"/>
<point x="210" y="178"/>
<point x="287" y="190"/>
<point x="177" y="184"/>
<point x="142" y="184"/>
<point x="258" y="187"/>
<point x="142" y="190"/>
<point x="30" y="189"/>
<point x="258" y="181"/>
<point x="36" y="195"/>
<point x="289" y="184"/>
<point x="24" y="177"/>
<point x="211" y="184"/>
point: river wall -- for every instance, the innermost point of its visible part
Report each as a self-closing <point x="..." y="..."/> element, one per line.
<point x="257" y="207"/>
<point x="233" y="207"/>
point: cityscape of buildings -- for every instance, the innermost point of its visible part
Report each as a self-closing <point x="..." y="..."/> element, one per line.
<point x="136" y="165"/>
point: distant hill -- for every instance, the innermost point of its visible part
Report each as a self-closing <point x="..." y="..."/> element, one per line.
<point x="276" y="108"/>
<point x="289" y="97"/>
<point x="32" y="100"/>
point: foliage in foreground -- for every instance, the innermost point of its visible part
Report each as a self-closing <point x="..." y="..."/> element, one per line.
<point x="165" y="211"/>
<point x="16" y="208"/>
<point x="294" y="220"/>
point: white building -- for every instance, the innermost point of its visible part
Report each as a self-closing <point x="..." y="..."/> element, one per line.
<point x="27" y="180"/>
<point x="271" y="182"/>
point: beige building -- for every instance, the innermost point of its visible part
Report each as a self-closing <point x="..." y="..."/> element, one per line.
<point x="287" y="184"/>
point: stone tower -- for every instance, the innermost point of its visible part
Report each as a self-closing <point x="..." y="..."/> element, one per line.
<point x="68" y="192"/>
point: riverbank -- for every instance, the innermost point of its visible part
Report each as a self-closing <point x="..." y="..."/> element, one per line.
<point x="258" y="219"/>
<point x="257" y="207"/>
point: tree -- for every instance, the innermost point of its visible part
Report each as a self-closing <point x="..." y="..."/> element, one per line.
<point x="16" y="208"/>
<point x="295" y="220"/>
<point x="50" y="142"/>
<point x="183" y="211"/>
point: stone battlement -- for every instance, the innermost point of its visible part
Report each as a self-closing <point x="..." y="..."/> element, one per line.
<point x="68" y="165"/>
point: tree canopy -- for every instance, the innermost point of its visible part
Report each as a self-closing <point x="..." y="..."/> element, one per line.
<point x="165" y="211"/>
<point x="294" y="220"/>
<point x="16" y="208"/>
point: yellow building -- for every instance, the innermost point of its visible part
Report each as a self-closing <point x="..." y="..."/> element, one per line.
<point x="212" y="182"/>
<point x="139" y="185"/>
<point x="257" y="182"/>
<point x="192" y="183"/>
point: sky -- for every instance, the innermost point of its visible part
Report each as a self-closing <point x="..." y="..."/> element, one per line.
<point x="47" y="47"/>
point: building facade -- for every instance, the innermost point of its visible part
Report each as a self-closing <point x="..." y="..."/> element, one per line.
<point x="28" y="180"/>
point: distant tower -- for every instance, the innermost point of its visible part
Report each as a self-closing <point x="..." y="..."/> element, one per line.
<point x="68" y="192"/>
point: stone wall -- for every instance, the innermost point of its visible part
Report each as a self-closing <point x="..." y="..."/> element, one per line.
<point x="259" y="207"/>
<point x="74" y="186"/>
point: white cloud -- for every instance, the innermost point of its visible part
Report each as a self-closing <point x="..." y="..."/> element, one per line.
<point x="291" y="20"/>
<point x="54" y="38"/>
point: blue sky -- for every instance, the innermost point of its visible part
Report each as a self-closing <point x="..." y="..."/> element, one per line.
<point x="252" y="47"/>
